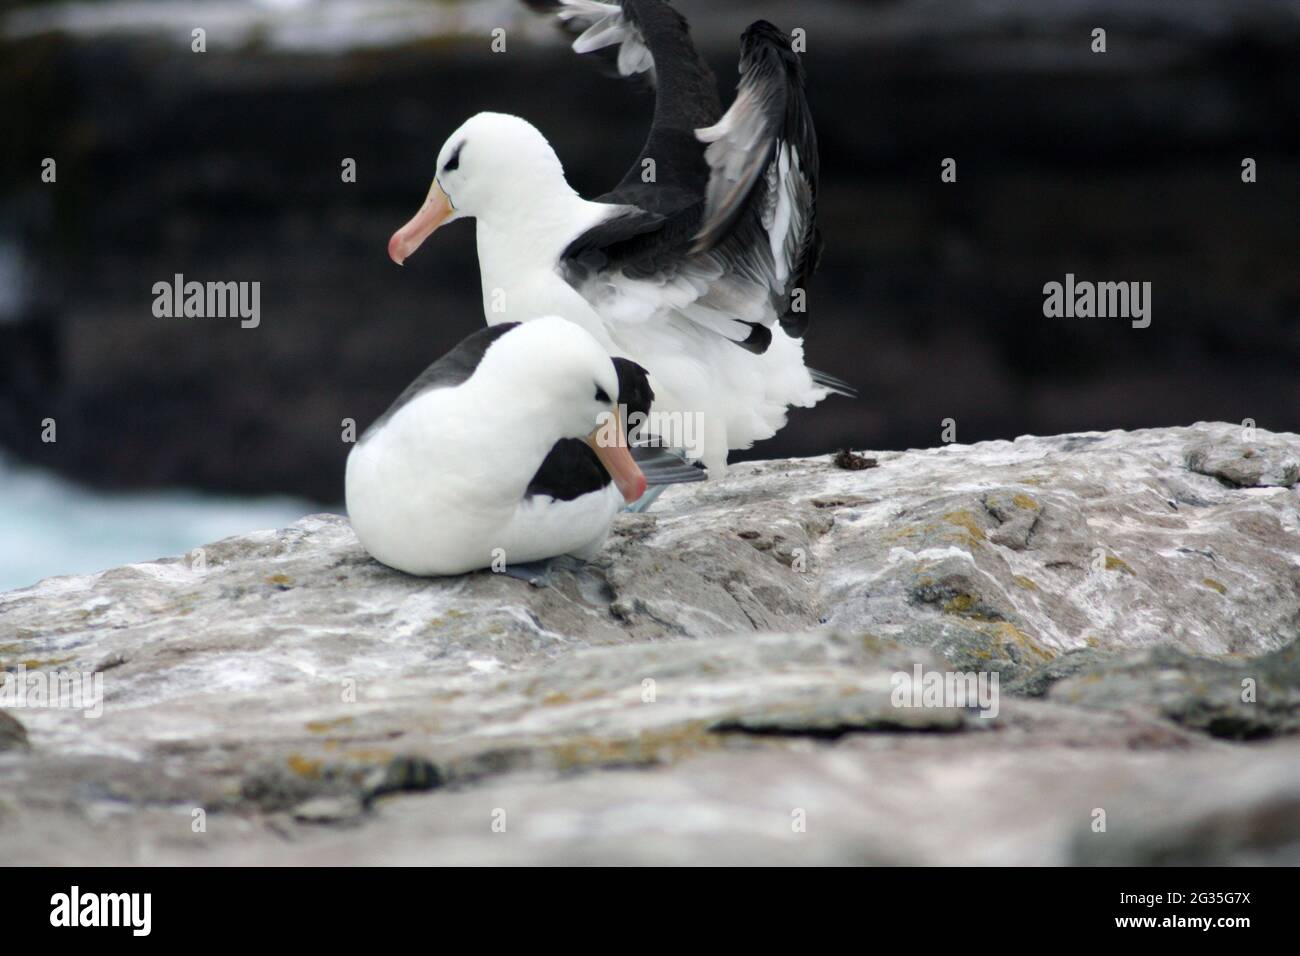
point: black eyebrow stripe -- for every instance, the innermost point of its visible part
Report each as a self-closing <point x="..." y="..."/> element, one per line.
<point x="453" y="161"/>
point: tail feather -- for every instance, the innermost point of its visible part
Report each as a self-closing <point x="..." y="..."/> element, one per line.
<point x="662" y="466"/>
<point x="836" y="386"/>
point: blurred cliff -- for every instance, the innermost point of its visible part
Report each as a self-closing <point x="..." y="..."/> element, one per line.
<point x="225" y="166"/>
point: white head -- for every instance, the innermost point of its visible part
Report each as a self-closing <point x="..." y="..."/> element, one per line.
<point x="496" y="166"/>
<point x="554" y="368"/>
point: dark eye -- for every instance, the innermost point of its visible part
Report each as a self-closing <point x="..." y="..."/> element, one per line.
<point x="601" y="396"/>
<point x="453" y="161"/>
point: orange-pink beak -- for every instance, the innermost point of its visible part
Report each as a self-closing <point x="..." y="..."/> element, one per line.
<point x="436" y="211"/>
<point x="609" y="442"/>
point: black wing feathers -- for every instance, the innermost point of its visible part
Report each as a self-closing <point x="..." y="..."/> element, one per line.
<point x="764" y="171"/>
<point x="726" y="224"/>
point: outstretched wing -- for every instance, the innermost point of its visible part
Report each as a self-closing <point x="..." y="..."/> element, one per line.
<point x="763" y="169"/>
<point x="652" y="40"/>
<point x="716" y="218"/>
<point x="602" y="26"/>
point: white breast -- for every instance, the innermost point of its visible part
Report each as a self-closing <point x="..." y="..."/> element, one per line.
<point x="430" y="494"/>
<point x="413" y="492"/>
<point x="543" y="526"/>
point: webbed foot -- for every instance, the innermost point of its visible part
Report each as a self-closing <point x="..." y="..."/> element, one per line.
<point x="540" y="574"/>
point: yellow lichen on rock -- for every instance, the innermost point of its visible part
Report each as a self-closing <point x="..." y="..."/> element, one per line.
<point x="966" y="521"/>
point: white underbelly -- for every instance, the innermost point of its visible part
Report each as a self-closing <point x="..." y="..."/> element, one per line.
<point x="416" y="522"/>
<point x="710" y="395"/>
<point x="412" y="518"/>
<point x="543" y="527"/>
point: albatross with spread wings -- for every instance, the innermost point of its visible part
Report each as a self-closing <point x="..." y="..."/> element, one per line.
<point x="694" y="264"/>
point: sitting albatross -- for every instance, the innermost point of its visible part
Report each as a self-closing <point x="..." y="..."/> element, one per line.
<point x="510" y="448"/>
<point x="694" y="265"/>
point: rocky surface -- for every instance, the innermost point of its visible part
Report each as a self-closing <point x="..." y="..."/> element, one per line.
<point x="717" y="687"/>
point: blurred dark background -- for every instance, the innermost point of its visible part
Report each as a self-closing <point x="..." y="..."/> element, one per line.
<point x="225" y="166"/>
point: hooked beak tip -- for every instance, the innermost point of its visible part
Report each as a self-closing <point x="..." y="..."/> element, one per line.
<point x="395" y="251"/>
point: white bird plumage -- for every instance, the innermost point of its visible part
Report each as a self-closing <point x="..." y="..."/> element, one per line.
<point x="510" y="180"/>
<point x="440" y="484"/>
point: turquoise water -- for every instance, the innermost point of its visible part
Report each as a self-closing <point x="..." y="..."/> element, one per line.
<point x="50" y="526"/>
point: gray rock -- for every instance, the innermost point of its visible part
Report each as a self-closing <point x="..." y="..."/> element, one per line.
<point x="13" y="736"/>
<point x="1038" y="681"/>
<point x="1254" y="822"/>
<point x="720" y="685"/>
<point x="343" y="810"/>
<point x="1230" y="699"/>
<point x="1247" y="464"/>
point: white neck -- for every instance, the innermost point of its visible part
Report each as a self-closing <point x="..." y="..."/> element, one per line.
<point x="520" y="241"/>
